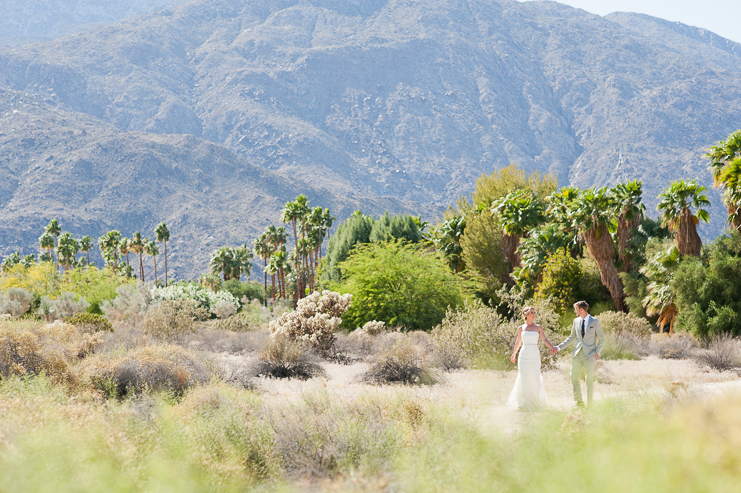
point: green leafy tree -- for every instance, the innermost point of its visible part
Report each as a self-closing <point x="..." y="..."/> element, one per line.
<point x="627" y="198"/>
<point x="398" y="284"/>
<point x="541" y="243"/>
<point x="707" y="290"/>
<point x="355" y="230"/>
<point x="676" y="207"/>
<point x="483" y="254"/>
<point x="162" y="234"/>
<point x="398" y="227"/>
<point x="562" y="275"/>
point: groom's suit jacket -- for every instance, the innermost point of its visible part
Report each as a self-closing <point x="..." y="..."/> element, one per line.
<point x="594" y="338"/>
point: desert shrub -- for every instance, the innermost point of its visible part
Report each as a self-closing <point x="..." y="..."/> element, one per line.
<point x="69" y="304"/>
<point x="374" y="328"/>
<point x="90" y="322"/>
<point x="205" y="298"/>
<point x="167" y="319"/>
<point x="95" y="285"/>
<point x="398" y="284"/>
<point x="253" y="316"/>
<point x="224" y="341"/>
<point x="224" y="309"/>
<point x="675" y="346"/>
<point x="19" y="298"/>
<point x="286" y="358"/>
<point x="619" y="347"/>
<point x="562" y="276"/>
<point x="625" y="323"/>
<point x="402" y="362"/>
<point x="722" y="353"/>
<point x="130" y="306"/>
<point x="314" y="321"/>
<point x="448" y="355"/>
<point x="29" y="348"/>
<point x="157" y="368"/>
<point x="251" y="290"/>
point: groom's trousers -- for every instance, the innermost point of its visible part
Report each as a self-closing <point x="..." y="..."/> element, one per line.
<point x="581" y="360"/>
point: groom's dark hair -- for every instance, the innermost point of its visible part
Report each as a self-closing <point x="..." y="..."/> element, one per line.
<point x="582" y="304"/>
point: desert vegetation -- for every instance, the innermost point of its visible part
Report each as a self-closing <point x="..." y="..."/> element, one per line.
<point x="379" y="362"/>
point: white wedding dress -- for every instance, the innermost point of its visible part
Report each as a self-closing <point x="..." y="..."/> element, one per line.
<point x="529" y="392"/>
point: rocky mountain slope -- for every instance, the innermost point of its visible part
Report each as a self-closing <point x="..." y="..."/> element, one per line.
<point x="409" y="100"/>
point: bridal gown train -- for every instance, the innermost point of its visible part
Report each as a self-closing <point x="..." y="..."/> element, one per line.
<point x="529" y="392"/>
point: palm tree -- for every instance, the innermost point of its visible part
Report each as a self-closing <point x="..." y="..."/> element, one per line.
<point x="11" y="260"/>
<point x="592" y="214"/>
<point x="676" y="206"/>
<point x="292" y="213"/>
<point x="221" y="262"/>
<point x="125" y="249"/>
<point x="725" y="164"/>
<point x="163" y="235"/>
<point x="46" y="242"/>
<point x="53" y="229"/>
<point x="152" y="250"/>
<point x="66" y="251"/>
<point x="518" y="212"/>
<point x="630" y="210"/>
<point x="447" y="240"/>
<point x="86" y="244"/>
<point x="28" y="260"/>
<point x="242" y="261"/>
<point x="136" y="245"/>
<point x="327" y="221"/>
<point x="109" y="244"/>
<point x="263" y="249"/>
<point x="660" y="298"/>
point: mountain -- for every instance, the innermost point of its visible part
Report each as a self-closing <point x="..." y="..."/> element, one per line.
<point x="24" y="21"/>
<point x="402" y="102"/>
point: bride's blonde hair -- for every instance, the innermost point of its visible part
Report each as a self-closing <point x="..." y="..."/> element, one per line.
<point x="527" y="311"/>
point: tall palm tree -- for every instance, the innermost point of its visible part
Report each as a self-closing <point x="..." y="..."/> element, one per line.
<point x="136" y="245"/>
<point x="221" y="262"/>
<point x="163" y="235"/>
<point x="328" y="221"/>
<point x="242" y="261"/>
<point x="11" y="260"/>
<point x="28" y="260"/>
<point x="152" y="250"/>
<point x="592" y="213"/>
<point x="124" y="247"/>
<point x="46" y="242"/>
<point x="263" y="248"/>
<point x="630" y="210"/>
<point x="86" y="244"/>
<point x="66" y="251"/>
<point x="518" y="212"/>
<point x="109" y="245"/>
<point x="293" y="212"/>
<point x="54" y="229"/>
<point x="676" y="207"/>
<point x="725" y="164"/>
<point x="446" y="237"/>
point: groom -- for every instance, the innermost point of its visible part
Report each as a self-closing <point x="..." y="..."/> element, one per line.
<point x="586" y="331"/>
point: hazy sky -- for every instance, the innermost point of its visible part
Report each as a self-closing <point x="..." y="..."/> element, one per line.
<point x="719" y="16"/>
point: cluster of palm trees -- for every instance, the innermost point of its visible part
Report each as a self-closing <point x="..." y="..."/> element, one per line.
<point x="310" y="228"/>
<point x="115" y="248"/>
<point x="602" y="219"/>
<point x="231" y="262"/>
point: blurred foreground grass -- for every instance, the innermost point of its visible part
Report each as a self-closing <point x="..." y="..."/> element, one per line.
<point x="219" y="438"/>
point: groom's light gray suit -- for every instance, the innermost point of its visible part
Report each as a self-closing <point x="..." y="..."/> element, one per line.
<point x="584" y="351"/>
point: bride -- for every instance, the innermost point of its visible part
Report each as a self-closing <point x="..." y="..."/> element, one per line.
<point x="529" y="393"/>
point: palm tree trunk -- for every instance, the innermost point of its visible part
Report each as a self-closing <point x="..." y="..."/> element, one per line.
<point x="154" y="257"/>
<point x="599" y="244"/>
<point x="87" y="252"/>
<point x="165" y="263"/>
<point x="141" y="267"/>
<point x="265" y="279"/>
<point x="688" y="241"/>
<point x="624" y="235"/>
<point x="510" y="244"/>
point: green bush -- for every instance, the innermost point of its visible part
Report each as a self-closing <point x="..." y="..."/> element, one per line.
<point x="93" y="284"/>
<point x="562" y="276"/>
<point x="90" y="322"/>
<point x="707" y="290"/>
<point x="398" y="284"/>
<point x="624" y="323"/>
<point x="251" y="290"/>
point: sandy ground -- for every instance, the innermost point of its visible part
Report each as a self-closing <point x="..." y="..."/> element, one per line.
<point x="483" y="394"/>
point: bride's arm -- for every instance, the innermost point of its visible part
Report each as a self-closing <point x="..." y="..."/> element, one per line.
<point x="517" y="344"/>
<point x="545" y="339"/>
